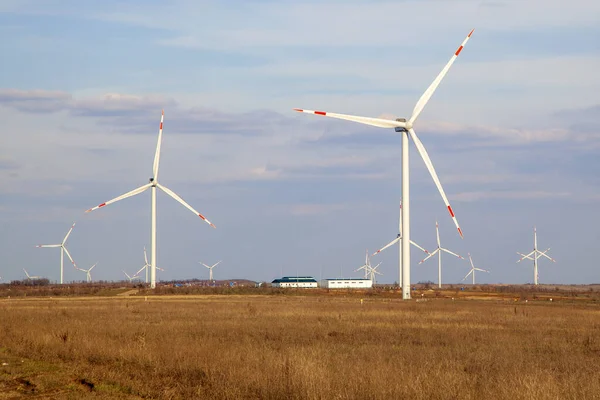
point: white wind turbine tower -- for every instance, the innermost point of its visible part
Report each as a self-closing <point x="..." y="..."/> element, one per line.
<point x="534" y="255"/>
<point x="88" y="272"/>
<point x="439" y="250"/>
<point x="473" y="269"/>
<point x="63" y="249"/>
<point x="153" y="184"/>
<point x="210" y="269"/>
<point x="398" y="240"/>
<point x="406" y="129"/>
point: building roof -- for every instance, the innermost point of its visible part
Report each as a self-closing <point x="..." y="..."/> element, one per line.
<point x="297" y="279"/>
<point x="346" y="279"/>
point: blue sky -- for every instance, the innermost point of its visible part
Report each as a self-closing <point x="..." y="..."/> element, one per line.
<point x="513" y="131"/>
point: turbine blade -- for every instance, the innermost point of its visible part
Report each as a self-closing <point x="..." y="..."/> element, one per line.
<point x="543" y="253"/>
<point x="419" y="247"/>
<point x="68" y="233"/>
<point x="431" y="89"/>
<point x="393" y="242"/>
<point x="92" y="267"/>
<point x="429" y="256"/>
<point x="450" y="252"/>
<point x="70" y="258"/>
<point x="467" y="275"/>
<point x="128" y="277"/>
<point x="429" y="166"/>
<point x="214" y="265"/>
<point x="48" y="245"/>
<point x="186" y="205"/>
<point x="526" y="256"/>
<point x="378" y="122"/>
<point x="141" y="269"/>
<point x="145" y="256"/>
<point x="437" y="232"/>
<point x="121" y="197"/>
<point x="482" y="270"/>
<point x="158" y="143"/>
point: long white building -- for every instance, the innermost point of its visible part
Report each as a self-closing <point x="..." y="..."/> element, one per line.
<point x="348" y="283"/>
<point x="295" y="282"/>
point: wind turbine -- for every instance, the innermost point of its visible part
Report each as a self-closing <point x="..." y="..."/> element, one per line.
<point x="210" y="268"/>
<point x="373" y="271"/>
<point x="145" y="267"/>
<point x="88" y="272"/>
<point x="366" y="266"/>
<point x="406" y="128"/>
<point x="153" y="184"/>
<point x="63" y="249"/>
<point x="369" y="270"/>
<point x="31" y="277"/>
<point x="439" y="250"/>
<point x="473" y="269"/>
<point x="131" y="278"/>
<point x="534" y="255"/>
<point x="397" y="240"/>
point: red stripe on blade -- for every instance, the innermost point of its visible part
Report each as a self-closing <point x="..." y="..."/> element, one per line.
<point x="470" y="33"/>
<point x="202" y="216"/>
<point x="320" y="113"/>
<point x="460" y="232"/>
<point x="298" y="109"/>
<point x="102" y="205"/>
<point x="451" y="212"/>
<point x="458" y="51"/>
<point x="160" y="126"/>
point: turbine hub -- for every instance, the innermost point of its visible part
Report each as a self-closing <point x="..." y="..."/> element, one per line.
<point x="407" y="125"/>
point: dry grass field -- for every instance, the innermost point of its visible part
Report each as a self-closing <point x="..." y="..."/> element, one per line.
<point x="297" y="347"/>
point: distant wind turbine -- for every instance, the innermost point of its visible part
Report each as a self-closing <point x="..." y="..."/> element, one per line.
<point x="210" y="269"/>
<point x="131" y="278"/>
<point x="473" y="269"/>
<point x="398" y="240"/>
<point x="370" y="271"/>
<point x="534" y="255"/>
<point x="439" y="250"/>
<point x="63" y="249"/>
<point x="405" y="127"/>
<point x="153" y="184"/>
<point x="88" y="272"/>
<point x="146" y="266"/>
<point x="31" y="277"/>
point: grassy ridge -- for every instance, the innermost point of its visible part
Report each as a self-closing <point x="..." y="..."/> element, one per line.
<point x="302" y="347"/>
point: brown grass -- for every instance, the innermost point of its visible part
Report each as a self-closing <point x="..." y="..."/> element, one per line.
<point x="284" y="347"/>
